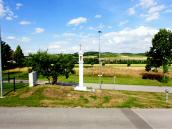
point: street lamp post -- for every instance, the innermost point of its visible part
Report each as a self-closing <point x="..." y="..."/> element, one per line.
<point x="1" y="67"/>
<point x="100" y="72"/>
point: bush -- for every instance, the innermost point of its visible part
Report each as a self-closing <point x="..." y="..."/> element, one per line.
<point x="165" y="79"/>
<point x="128" y="65"/>
<point x="152" y="76"/>
<point x="165" y="68"/>
<point x="148" y="67"/>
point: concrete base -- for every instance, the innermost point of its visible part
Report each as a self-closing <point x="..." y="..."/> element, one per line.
<point x="81" y="88"/>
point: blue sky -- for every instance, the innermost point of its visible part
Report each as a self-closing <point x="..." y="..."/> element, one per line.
<point x="59" y="26"/>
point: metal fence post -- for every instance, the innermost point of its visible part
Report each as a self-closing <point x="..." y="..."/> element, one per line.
<point x="14" y="83"/>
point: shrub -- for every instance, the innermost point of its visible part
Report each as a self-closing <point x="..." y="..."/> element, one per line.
<point x="165" y="68"/>
<point x="152" y="76"/>
<point x="165" y="79"/>
<point x="128" y="64"/>
<point x="148" y="67"/>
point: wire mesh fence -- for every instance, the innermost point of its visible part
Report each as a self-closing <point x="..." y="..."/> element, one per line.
<point x="10" y="85"/>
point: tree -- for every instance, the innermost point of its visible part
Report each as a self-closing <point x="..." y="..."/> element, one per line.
<point x="40" y="62"/>
<point x="160" y="53"/>
<point x="7" y="55"/>
<point x="52" y="66"/>
<point x="19" y="56"/>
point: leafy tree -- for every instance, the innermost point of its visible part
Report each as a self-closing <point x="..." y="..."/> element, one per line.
<point x="52" y="66"/>
<point x="19" y="56"/>
<point x="7" y="55"/>
<point x="40" y="62"/>
<point x="160" y="53"/>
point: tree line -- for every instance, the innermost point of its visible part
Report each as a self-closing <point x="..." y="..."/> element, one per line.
<point x="50" y="66"/>
<point x="11" y="58"/>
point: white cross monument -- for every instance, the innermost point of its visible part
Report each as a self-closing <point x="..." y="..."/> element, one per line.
<point x="81" y="86"/>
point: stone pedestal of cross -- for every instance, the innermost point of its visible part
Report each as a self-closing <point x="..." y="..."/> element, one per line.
<point x="81" y="86"/>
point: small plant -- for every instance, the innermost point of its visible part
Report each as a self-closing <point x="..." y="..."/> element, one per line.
<point x="84" y="99"/>
<point x="128" y="64"/>
<point x="165" y="68"/>
<point x="103" y="64"/>
<point x="106" y="99"/>
<point x="93" y="97"/>
<point x="165" y="79"/>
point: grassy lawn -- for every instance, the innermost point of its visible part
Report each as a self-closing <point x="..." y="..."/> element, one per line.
<point x="9" y="87"/>
<point x="58" y="96"/>
<point x="118" y="80"/>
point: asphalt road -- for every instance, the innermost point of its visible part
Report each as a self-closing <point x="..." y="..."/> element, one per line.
<point x="130" y="87"/>
<point x="76" y="118"/>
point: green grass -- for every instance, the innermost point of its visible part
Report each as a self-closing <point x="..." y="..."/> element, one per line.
<point x="121" y="79"/>
<point x="9" y="87"/>
<point x="17" y="75"/>
<point x="118" y="80"/>
<point x="58" y="96"/>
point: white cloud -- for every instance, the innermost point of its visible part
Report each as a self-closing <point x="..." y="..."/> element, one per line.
<point x="24" y="22"/>
<point x="39" y="30"/>
<point x="61" y="47"/>
<point x="131" y="11"/>
<point x="130" y="40"/>
<point x="9" y="18"/>
<point x="98" y="16"/>
<point x="147" y="3"/>
<point x="19" y="5"/>
<point x="157" y="8"/>
<point x="154" y="12"/>
<point x="25" y="39"/>
<point x="99" y="27"/>
<point x="77" y="21"/>
<point x="10" y="37"/>
<point x="123" y="23"/>
<point x="151" y="9"/>
<point x="2" y="8"/>
<point x="54" y="46"/>
<point x="6" y="12"/>
<point x="126" y="40"/>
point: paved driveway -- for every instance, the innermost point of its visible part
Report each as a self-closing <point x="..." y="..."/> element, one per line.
<point x="130" y="87"/>
<point x="118" y="86"/>
<point x="55" y="118"/>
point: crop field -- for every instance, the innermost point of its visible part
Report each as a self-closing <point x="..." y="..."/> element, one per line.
<point x="122" y="56"/>
<point x="135" y="70"/>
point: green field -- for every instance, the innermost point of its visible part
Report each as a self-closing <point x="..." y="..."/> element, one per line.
<point x="118" y="80"/>
<point x="58" y="96"/>
<point x="124" y="75"/>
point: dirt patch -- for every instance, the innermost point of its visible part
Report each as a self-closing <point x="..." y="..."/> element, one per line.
<point x="57" y="92"/>
<point x="28" y="93"/>
<point x="48" y="103"/>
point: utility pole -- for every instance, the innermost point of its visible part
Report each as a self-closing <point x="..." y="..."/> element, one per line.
<point x="100" y="65"/>
<point x="1" y="83"/>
